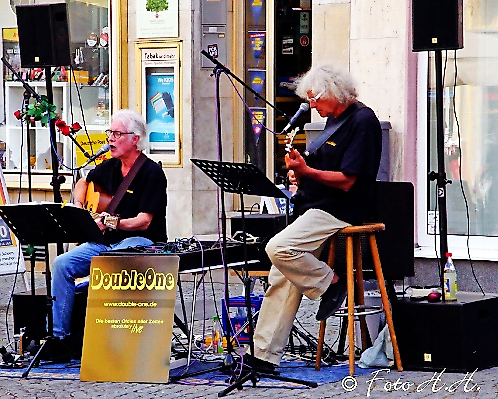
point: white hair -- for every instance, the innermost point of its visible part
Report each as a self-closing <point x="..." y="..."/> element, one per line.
<point x="327" y="80"/>
<point x="133" y="123"/>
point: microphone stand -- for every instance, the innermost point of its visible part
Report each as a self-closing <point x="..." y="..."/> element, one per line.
<point x="29" y="91"/>
<point x="217" y="70"/>
<point x="253" y="375"/>
<point x="57" y="179"/>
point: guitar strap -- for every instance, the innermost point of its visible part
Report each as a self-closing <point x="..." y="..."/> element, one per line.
<point x="120" y="192"/>
<point x="332" y="128"/>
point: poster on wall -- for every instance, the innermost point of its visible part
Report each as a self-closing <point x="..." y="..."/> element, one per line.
<point x="257" y="79"/>
<point x="11" y="52"/>
<point x="258" y="116"/>
<point x="11" y="260"/>
<point x="160" y="111"/>
<point x="157" y="18"/>
<point x="160" y="101"/>
<point x="257" y="44"/>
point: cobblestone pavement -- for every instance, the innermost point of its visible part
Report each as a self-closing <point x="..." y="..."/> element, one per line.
<point x="384" y="384"/>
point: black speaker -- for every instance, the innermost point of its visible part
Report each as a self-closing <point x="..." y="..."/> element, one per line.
<point x="437" y="24"/>
<point x="43" y="35"/>
<point x="393" y="205"/>
<point x="457" y="336"/>
<point x="30" y="313"/>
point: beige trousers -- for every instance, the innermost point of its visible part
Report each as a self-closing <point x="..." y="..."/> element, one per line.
<point x="296" y="270"/>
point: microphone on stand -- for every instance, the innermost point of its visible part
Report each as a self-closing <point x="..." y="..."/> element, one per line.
<point x="103" y="150"/>
<point x="304" y="107"/>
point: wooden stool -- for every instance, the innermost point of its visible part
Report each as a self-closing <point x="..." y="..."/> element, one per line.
<point x="353" y="252"/>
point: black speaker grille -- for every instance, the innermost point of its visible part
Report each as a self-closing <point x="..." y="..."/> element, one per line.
<point x="437" y="24"/>
<point x="43" y="35"/>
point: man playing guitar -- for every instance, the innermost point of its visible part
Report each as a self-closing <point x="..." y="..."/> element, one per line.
<point x="138" y="217"/>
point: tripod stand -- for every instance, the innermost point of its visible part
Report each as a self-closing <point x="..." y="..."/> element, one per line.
<point x="244" y="178"/>
<point x="55" y="224"/>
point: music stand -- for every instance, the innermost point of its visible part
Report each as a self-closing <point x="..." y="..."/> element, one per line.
<point x="55" y="223"/>
<point x="244" y="178"/>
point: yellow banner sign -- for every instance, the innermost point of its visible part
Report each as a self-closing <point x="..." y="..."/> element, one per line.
<point x="129" y="318"/>
<point x="91" y="146"/>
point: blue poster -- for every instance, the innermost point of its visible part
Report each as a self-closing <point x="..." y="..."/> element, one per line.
<point x="160" y="111"/>
<point x="256" y="7"/>
<point x="257" y="43"/>
<point x="257" y="121"/>
<point x="257" y="80"/>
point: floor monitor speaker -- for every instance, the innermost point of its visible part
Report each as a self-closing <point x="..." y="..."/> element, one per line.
<point x="458" y="336"/>
<point x="43" y="35"/>
<point x="437" y="25"/>
<point x="30" y="314"/>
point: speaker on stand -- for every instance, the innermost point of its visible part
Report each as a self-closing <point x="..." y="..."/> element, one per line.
<point x="44" y="43"/>
<point x="43" y="35"/>
<point x="437" y="26"/>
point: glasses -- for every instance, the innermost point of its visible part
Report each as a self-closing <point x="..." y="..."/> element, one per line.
<point x="316" y="98"/>
<point x="116" y="133"/>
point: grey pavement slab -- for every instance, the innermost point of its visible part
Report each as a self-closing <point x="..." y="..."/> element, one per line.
<point x="383" y="383"/>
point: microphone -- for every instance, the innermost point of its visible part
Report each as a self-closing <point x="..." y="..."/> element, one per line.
<point x="302" y="108"/>
<point x="103" y="150"/>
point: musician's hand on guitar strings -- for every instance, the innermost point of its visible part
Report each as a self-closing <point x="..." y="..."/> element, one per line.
<point x="296" y="163"/>
<point x="292" y="178"/>
<point x="101" y="225"/>
<point x="291" y="153"/>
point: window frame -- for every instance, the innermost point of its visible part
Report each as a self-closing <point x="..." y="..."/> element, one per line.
<point x="480" y="247"/>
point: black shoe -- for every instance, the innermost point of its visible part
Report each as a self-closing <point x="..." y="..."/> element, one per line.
<point x="259" y="365"/>
<point x="332" y="299"/>
<point x="59" y="350"/>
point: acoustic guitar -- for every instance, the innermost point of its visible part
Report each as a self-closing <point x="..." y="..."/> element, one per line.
<point x="96" y="201"/>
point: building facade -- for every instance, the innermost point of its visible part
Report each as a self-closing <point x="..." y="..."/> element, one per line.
<point x="263" y="45"/>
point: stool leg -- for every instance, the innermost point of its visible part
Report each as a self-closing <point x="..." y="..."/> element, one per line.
<point x="350" y="286"/>
<point x="323" y="323"/>
<point x="319" y="346"/>
<point x="385" y="300"/>
<point x="360" y="292"/>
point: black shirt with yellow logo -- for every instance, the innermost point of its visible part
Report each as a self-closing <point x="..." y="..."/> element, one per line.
<point x="354" y="149"/>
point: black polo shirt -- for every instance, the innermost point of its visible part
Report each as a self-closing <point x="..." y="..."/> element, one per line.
<point x="146" y="193"/>
<point x="354" y="149"/>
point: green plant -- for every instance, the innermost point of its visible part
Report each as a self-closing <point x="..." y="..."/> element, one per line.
<point x="40" y="110"/>
<point x="156" y="5"/>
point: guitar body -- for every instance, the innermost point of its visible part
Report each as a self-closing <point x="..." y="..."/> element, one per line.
<point x="96" y="200"/>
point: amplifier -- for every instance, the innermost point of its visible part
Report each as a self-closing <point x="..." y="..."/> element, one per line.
<point x="30" y="313"/>
<point x="457" y="336"/>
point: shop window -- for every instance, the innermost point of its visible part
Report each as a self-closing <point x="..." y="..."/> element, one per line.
<point x="470" y="109"/>
<point x="81" y="90"/>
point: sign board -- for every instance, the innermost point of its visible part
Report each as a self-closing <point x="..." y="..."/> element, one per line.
<point x="11" y="260"/>
<point x="157" y="18"/>
<point x="91" y="143"/>
<point x="129" y="318"/>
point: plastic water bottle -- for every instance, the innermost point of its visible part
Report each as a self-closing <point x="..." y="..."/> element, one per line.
<point x="217" y="336"/>
<point x="450" y="279"/>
